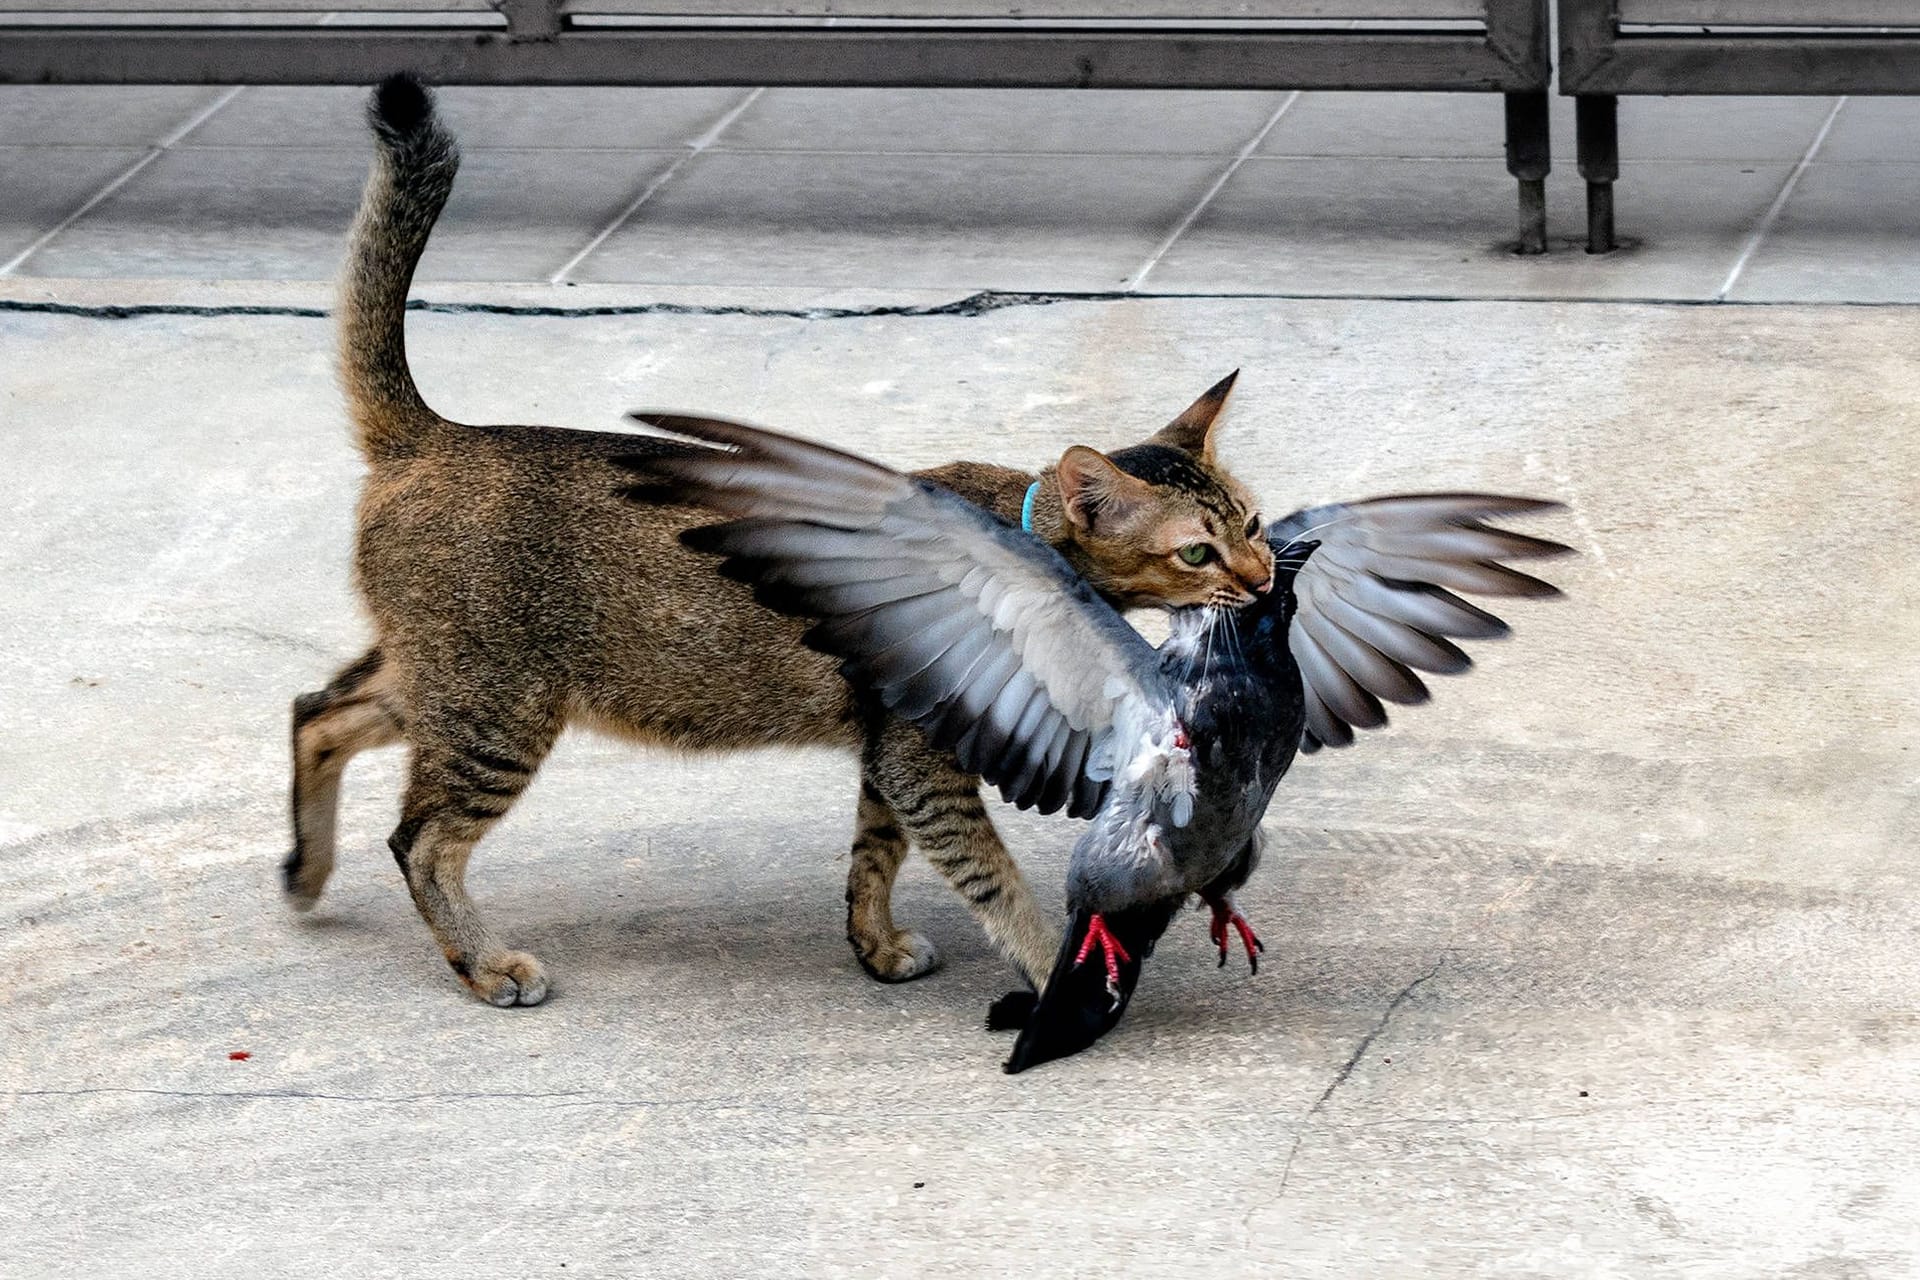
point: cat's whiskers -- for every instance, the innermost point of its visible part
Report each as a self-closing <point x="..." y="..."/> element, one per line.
<point x="1308" y="532"/>
<point x="1235" y="646"/>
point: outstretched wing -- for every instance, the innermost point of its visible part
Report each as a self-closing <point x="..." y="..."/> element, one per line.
<point x="1376" y="602"/>
<point x="979" y="633"/>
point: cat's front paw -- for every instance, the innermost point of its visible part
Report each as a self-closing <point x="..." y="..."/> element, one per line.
<point x="503" y="978"/>
<point x="901" y="957"/>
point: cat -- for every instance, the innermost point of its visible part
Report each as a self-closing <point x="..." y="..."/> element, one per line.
<point x="513" y="594"/>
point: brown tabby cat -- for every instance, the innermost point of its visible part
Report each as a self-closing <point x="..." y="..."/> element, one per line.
<point x="512" y="595"/>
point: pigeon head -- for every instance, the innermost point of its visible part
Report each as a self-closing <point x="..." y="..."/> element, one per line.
<point x="1267" y="619"/>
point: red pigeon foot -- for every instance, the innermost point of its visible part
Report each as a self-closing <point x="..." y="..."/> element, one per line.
<point x="1225" y="914"/>
<point x="1110" y="951"/>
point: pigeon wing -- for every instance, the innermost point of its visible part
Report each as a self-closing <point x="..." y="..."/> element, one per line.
<point x="967" y="626"/>
<point x="1377" y="602"/>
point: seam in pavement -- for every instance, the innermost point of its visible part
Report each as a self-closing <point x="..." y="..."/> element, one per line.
<point x="1160" y="250"/>
<point x="1347" y="1068"/>
<point x="587" y="1098"/>
<point x="125" y="176"/>
<point x="1772" y="215"/>
<point x="975" y="304"/>
<point x="693" y="148"/>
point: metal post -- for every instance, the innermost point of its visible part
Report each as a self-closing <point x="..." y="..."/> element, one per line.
<point x="530" y="19"/>
<point x="1597" y="128"/>
<point x="1530" y="159"/>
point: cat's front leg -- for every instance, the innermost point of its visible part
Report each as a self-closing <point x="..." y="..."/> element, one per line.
<point x="938" y="808"/>
<point x="885" y="951"/>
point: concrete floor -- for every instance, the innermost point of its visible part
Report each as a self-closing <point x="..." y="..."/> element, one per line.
<point x="1601" y="965"/>
<point x="1402" y="195"/>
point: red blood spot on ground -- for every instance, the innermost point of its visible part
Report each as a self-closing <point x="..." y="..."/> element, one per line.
<point x="238" y="1055"/>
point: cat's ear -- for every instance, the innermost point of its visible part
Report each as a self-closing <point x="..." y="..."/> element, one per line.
<point x="1093" y="490"/>
<point x="1192" y="431"/>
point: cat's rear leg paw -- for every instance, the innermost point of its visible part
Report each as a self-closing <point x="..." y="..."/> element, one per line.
<point x="503" y="978"/>
<point x="899" y="957"/>
<point x="303" y="879"/>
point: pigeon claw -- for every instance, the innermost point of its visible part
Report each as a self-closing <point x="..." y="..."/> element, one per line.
<point x="1110" y="951"/>
<point x="1225" y="916"/>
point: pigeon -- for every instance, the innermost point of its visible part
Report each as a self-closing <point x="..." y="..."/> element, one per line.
<point x="986" y="638"/>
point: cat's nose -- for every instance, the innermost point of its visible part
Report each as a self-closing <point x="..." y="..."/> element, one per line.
<point x="1263" y="586"/>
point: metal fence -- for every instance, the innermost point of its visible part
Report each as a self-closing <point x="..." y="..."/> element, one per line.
<point x="1488" y="46"/>
<point x="1613" y="47"/>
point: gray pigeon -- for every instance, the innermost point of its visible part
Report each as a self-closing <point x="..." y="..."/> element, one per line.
<point x="985" y="637"/>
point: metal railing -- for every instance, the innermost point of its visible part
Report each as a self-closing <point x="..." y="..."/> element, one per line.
<point x="1488" y="46"/>
<point x="1610" y="48"/>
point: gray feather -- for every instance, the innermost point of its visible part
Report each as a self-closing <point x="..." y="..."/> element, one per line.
<point x="1324" y="677"/>
<point x="1322" y="724"/>
<point x="1418" y="605"/>
<point x="1404" y="644"/>
<point x="1370" y="669"/>
<point x="959" y="621"/>
<point x="1376" y="602"/>
<point x="924" y="690"/>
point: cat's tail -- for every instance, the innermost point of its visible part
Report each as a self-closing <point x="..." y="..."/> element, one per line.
<point x="411" y="179"/>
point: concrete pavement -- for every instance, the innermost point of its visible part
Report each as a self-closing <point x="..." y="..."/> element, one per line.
<point x="1403" y="195"/>
<point x="1600" y="965"/>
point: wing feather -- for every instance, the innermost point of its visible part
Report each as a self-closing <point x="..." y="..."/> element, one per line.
<point x="921" y="691"/>
<point x="1417" y="606"/>
<point x="1406" y="645"/>
<point x="879" y="629"/>
<point x="979" y="633"/>
<point x="1338" y="690"/>
<point x="1372" y="670"/>
<point x="1376" y="599"/>
<point x="1323" y="727"/>
<point x="1084" y="794"/>
<point x="1038" y="747"/>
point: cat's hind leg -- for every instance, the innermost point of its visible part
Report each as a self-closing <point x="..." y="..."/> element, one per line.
<point x="939" y="809"/>
<point x="357" y="711"/>
<point x="885" y="951"/>
<point x="461" y="782"/>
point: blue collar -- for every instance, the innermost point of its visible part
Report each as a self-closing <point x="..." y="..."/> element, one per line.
<point x="1026" y="508"/>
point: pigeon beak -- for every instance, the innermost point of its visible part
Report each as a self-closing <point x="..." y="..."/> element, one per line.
<point x="1077" y="1008"/>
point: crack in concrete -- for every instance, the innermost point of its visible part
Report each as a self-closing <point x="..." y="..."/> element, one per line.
<point x="973" y="305"/>
<point x="282" y="639"/>
<point x="1340" y="1077"/>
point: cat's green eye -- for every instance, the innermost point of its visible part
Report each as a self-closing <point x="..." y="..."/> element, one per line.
<point x="1195" y="553"/>
<point x="1253" y="527"/>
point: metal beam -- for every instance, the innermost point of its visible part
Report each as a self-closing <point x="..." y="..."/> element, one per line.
<point x="1031" y="10"/>
<point x="1187" y="12"/>
<point x="1768" y="13"/>
<point x="1750" y="64"/>
<point x="1087" y="58"/>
